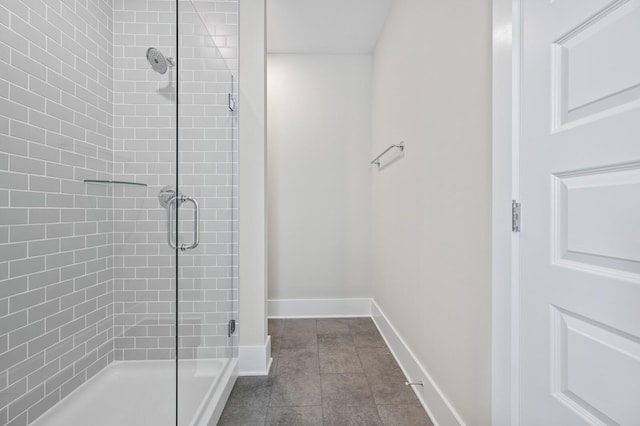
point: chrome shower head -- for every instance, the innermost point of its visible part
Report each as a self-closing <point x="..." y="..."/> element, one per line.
<point x="158" y="61"/>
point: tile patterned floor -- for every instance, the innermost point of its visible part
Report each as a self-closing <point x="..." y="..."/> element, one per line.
<point x="326" y="372"/>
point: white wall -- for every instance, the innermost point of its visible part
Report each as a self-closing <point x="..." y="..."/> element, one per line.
<point x="318" y="180"/>
<point x="432" y="208"/>
<point x="252" y="139"/>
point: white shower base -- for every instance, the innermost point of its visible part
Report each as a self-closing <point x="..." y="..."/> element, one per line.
<point x="137" y="393"/>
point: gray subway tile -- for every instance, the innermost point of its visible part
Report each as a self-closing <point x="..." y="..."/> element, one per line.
<point x="44" y="310"/>
<point x="43" y="152"/>
<point x="4" y="310"/>
<point x="25" y="334"/>
<point x="57" y="380"/>
<point x="44" y="215"/>
<point x="13" y="357"/>
<point x="24" y="402"/>
<point x="59" y="349"/>
<point x="26" y="300"/>
<point x="13" y="321"/>
<point x="39" y="376"/>
<point x="13" y="216"/>
<point x="27" y="233"/>
<point x="27" y="199"/>
<point x="58" y="320"/>
<point x="21" y="420"/>
<point x="26" y="266"/>
<point x="43" y="342"/>
<point x="12" y="392"/>
<point x="71" y="328"/>
<point x="12" y="145"/>
<point x="58" y="230"/>
<point x="26" y="367"/>
<point x="44" y="247"/>
<point x="37" y="409"/>
<point x="27" y="165"/>
<point x="59" y="260"/>
<point x="14" y="251"/>
<point x="44" y="184"/>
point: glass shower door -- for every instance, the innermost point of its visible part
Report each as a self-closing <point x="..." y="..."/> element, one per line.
<point x="206" y="221"/>
<point x="145" y="109"/>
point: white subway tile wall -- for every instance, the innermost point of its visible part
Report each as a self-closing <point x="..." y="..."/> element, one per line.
<point x="86" y="275"/>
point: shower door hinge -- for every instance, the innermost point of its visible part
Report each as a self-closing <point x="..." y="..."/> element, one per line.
<point x="515" y="216"/>
<point x="232" y="328"/>
<point x="232" y="102"/>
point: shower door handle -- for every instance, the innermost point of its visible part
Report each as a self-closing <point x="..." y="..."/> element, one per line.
<point x="177" y="201"/>
<point x="196" y="224"/>
<point x="170" y="205"/>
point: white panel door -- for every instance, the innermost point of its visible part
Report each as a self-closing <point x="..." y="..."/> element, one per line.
<point x="580" y="194"/>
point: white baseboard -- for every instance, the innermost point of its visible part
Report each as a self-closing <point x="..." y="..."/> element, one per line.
<point x="430" y="396"/>
<point x="319" y="308"/>
<point x="255" y="360"/>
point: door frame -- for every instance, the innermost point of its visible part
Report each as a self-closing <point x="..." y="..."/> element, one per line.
<point x="506" y="61"/>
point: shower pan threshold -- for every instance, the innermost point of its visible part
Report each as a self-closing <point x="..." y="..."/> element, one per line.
<point x="137" y="393"/>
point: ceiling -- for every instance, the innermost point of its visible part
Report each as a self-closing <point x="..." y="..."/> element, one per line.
<point x="324" y="26"/>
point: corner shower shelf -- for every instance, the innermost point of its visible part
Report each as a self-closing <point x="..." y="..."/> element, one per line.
<point x="114" y="181"/>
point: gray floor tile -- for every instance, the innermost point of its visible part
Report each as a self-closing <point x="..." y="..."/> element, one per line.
<point x="378" y="361"/>
<point x="302" y="325"/>
<point x="391" y="389"/>
<point x="276" y="327"/>
<point x="404" y="415"/>
<point x="298" y="340"/>
<point x="335" y="340"/>
<point x="326" y="370"/>
<point x="298" y="416"/>
<point x="340" y="359"/>
<point x="366" y="415"/>
<point x="295" y="390"/>
<point x="242" y="416"/>
<point x="250" y="392"/>
<point x="298" y="361"/>
<point x="276" y="344"/>
<point x="333" y="326"/>
<point x="368" y="339"/>
<point x="362" y="325"/>
<point x="345" y="389"/>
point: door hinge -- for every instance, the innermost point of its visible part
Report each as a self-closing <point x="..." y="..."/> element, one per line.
<point x="231" y="328"/>
<point x="515" y="216"/>
<point x="232" y="102"/>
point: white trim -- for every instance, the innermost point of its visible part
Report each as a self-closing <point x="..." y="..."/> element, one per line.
<point x="221" y="395"/>
<point x="319" y="308"/>
<point x="431" y="397"/>
<point x="504" y="251"/>
<point x="255" y="360"/>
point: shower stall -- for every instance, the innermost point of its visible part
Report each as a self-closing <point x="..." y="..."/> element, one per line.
<point x="118" y="211"/>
